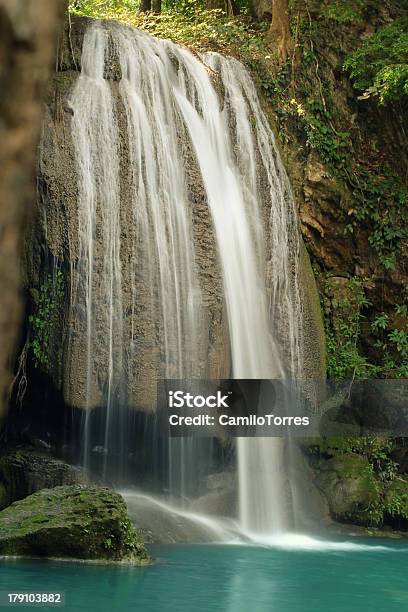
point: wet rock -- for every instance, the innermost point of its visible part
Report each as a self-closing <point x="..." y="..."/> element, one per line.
<point x="142" y="318"/>
<point x="221" y="496"/>
<point x="24" y="472"/>
<point x="163" y="523"/>
<point x="75" y="521"/>
<point x="220" y="502"/>
<point x="221" y="480"/>
<point x="312" y="509"/>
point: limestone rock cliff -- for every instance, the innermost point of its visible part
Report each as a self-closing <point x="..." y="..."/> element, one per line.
<point x="54" y="245"/>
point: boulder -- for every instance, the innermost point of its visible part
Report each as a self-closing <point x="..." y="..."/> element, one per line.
<point x="23" y="472"/>
<point x="350" y="487"/>
<point x="71" y="521"/>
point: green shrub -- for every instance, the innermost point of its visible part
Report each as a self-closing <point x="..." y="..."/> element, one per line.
<point x="344" y="11"/>
<point x="343" y="317"/>
<point x="379" y="68"/>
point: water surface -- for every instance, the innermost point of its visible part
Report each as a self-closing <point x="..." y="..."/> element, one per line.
<point x="370" y="575"/>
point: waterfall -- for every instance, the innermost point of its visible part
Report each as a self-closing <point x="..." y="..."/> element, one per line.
<point x="152" y="125"/>
<point x="99" y="277"/>
<point x="263" y="486"/>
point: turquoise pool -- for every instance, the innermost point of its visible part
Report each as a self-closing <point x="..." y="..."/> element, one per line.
<point x="202" y="578"/>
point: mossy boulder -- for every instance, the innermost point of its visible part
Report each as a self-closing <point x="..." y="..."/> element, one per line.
<point x="23" y="472"/>
<point x="351" y="489"/>
<point x="71" y="521"/>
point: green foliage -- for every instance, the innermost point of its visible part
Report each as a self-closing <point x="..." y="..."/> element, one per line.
<point x="379" y="195"/>
<point x="47" y="305"/>
<point x="98" y="8"/>
<point x="380" y="322"/>
<point x="199" y="28"/>
<point x="343" y="356"/>
<point x="393" y="343"/>
<point x="186" y="22"/>
<point x="332" y="145"/>
<point x="344" y="11"/>
<point x="377" y="451"/>
<point x="389" y="495"/>
<point x="379" y="67"/>
<point x="381" y="200"/>
<point x="343" y="320"/>
<point x="396" y="500"/>
<point x="343" y="328"/>
<point x="307" y="105"/>
<point x="107" y="543"/>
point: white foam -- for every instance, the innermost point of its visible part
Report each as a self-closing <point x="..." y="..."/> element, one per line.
<point x="227" y="531"/>
<point x="218" y="529"/>
<point x="301" y="542"/>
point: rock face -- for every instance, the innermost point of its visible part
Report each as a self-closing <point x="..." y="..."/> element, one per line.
<point x="141" y="322"/>
<point x="24" y="472"/>
<point x="350" y="488"/>
<point x="221" y="496"/>
<point x="143" y="353"/>
<point x="72" y="521"/>
<point x="326" y="197"/>
<point x="162" y="524"/>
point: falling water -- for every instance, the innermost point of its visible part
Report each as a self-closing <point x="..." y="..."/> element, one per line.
<point x="99" y="275"/>
<point x="263" y="486"/>
<point x="136" y="239"/>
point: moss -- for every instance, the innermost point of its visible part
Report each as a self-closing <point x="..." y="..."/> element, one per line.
<point x="357" y="468"/>
<point x="396" y="503"/>
<point x="351" y="489"/>
<point x="71" y="521"/>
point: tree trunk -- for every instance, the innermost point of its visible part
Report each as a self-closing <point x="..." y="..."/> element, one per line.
<point x="156" y="6"/>
<point x="229" y="7"/>
<point x="145" y="6"/>
<point x="280" y="28"/>
<point x="28" y="31"/>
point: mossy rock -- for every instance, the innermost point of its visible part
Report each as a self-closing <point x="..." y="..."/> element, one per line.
<point x="71" y="521"/>
<point x="396" y="502"/>
<point x="351" y="489"/>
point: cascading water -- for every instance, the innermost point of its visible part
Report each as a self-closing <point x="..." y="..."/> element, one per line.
<point x="263" y="487"/>
<point x="99" y="276"/>
<point x="146" y="116"/>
